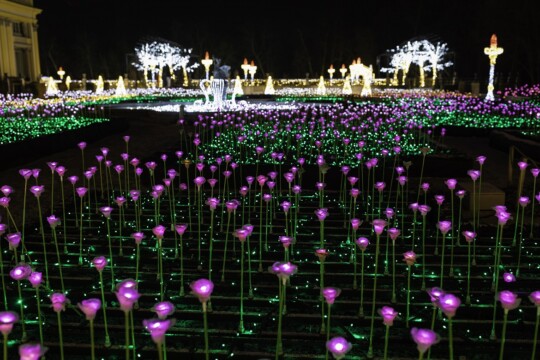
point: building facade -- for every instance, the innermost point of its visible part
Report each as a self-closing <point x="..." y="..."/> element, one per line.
<point x="19" y="50"/>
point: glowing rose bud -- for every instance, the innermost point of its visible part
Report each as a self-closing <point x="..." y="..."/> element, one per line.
<point x="159" y="231"/>
<point x="14" y="239"/>
<point x="481" y="159"/>
<point x="414" y="207"/>
<point x="424" y="338"/>
<point x="439" y="199"/>
<point x="126" y="138"/>
<point x="52" y="165"/>
<point x="202" y="288"/>
<point x="338" y="346"/>
<point x="267" y="197"/>
<point x="469" y="235"/>
<point x="163" y="309"/>
<point x="508" y="299"/>
<point x="150" y="165"/>
<point x="106" y="211"/>
<point x="31" y="351"/>
<point x="379" y="225"/>
<point x="402" y="180"/>
<point x="73" y="179"/>
<point x="286" y="241"/>
<point x="296" y="189"/>
<point x="250" y="180"/>
<point x="352" y="180"/>
<point x="7" y="320"/>
<point x="321" y="254"/>
<point x="157" y="328"/>
<point x="389" y="212"/>
<point x="503" y="217"/>
<point x="99" y="263"/>
<point x="20" y="272"/>
<point x="99" y="158"/>
<point x="394" y="233"/>
<point x="330" y="294"/>
<point x="134" y="194"/>
<point x="460" y="194"/>
<point x="261" y="179"/>
<point x="451" y="184"/>
<point x="523" y="201"/>
<point x="25" y="173"/>
<point x="199" y="181"/>
<point x="241" y="234"/>
<point x="286" y="205"/>
<point x="138" y="237"/>
<point x="283" y="270"/>
<point x="425" y="187"/>
<point x="59" y="301"/>
<point x="444" y="226"/>
<point x="388" y="314"/>
<point x="127" y="297"/>
<point x="435" y="293"/>
<point x="60" y="170"/>
<point x="289" y="177"/>
<point x="534" y="297"/>
<point x="82" y="145"/>
<point x="522" y="165"/>
<point x="248" y="228"/>
<point x="355" y="223"/>
<point x="37" y="190"/>
<point x="53" y="221"/>
<point x="126" y="284"/>
<point x="474" y="174"/>
<point x="81" y="191"/>
<point x="90" y="307"/>
<point x="6" y="190"/>
<point x="362" y="243"/>
<point x="181" y="228"/>
<point x="509" y="277"/>
<point x="449" y="303"/>
<point x="35" y="278"/>
<point x="409" y="257"/>
<point x="380" y="185"/>
<point x="321" y="213"/>
<point x="345" y="169"/>
<point x="535" y="172"/>
<point x="212" y="203"/>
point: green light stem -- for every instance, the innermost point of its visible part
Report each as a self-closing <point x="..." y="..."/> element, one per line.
<point x="437" y="233"/>
<point x="126" y="330"/>
<point x="260" y="231"/>
<point x="496" y="279"/>
<point x="64" y="214"/>
<point x="241" y="326"/>
<point x="250" y="294"/>
<point x="211" y="245"/>
<point x="160" y="265"/>
<point x="205" y="325"/>
<point x="503" y="337"/>
<point x="442" y="261"/>
<point x="21" y="306"/>
<point x="59" y="260"/>
<point x="328" y="328"/>
<point x="468" y="298"/>
<point x="104" y="308"/>
<point x="532" y="211"/>
<point x="181" y="265"/>
<point x="520" y="244"/>
<point x="423" y="252"/>
<point x="459" y="223"/>
<point x="393" y="272"/>
<point x="354" y="260"/>
<point x="120" y="225"/>
<point x="110" y="252"/>
<point x="421" y="176"/>
<point x="52" y="192"/>
<point x="101" y="179"/>
<point x="40" y="323"/>
<point x="75" y="207"/>
<point x="81" y="231"/>
<point x="361" y="309"/>
<point x="160" y="350"/>
<point x="385" y="357"/>
<point x="408" y="294"/>
<point x="374" y="298"/>
<point x="450" y="340"/>
<point x="3" y="280"/>
<point x="279" y="344"/>
<point x="60" y="337"/>
<point x="535" y="338"/>
<point x="5" y="346"/>
<point x="199" y="218"/>
<point x="474" y="222"/>
<point x="44" y="245"/>
<point x="92" y="349"/>
<point x="24" y="211"/>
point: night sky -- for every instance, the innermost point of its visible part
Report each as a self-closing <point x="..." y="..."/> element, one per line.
<point x="288" y="38"/>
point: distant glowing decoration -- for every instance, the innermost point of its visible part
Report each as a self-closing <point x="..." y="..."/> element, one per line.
<point x="238" y="90"/>
<point x="331" y="72"/>
<point x="52" y="88"/>
<point x="347" y="88"/>
<point x="100" y="85"/>
<point x="492" y="52"/>
<point x="269" y="89"/>
<point x="245" y="67"/>
<point x="321" y="89"/>
<point x="207" y="62"/>
<point x="366" y="72"/>
<point x="61" y="73"/>
<point x="343" y="71"/>
<point x="68" y="82"/>
<point x="154" y="56"/>
<point x="426" y="55"/>
<point x="120" y="87"/>
<point x="252" y="70"/>
<point x="216" y="88"/>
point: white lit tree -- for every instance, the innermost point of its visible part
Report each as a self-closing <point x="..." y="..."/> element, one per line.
<point x="437" y="54"/>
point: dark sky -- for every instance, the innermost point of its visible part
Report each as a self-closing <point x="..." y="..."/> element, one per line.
<point x="287" y="38"/>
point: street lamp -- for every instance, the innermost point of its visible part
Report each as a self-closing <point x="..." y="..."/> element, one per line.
<point x="343" y="71"/>
<point x="252" y="70"/>
<point x="245" y="66"/>
<point x="61" y="73"/>
<point x="207" y="62"/>
<point x="331" y="72"/>
<point x="492" y="52"/>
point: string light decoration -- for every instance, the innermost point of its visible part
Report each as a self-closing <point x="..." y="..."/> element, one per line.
<point x="492" y="52"/>
<point x="269" y="90"/>
<point x="347" y="88"/>
<point x="245" y="67"/>
<point x="100" y="85"/>
<point x="207" y="62"/>
<point x="252" y="70"/>
<point x="52" y="88"/>
<point x="343" y="71"/>
<point x="120" y="87"/>
<point x="331" y="72"/>
<point x="321" y="89"/>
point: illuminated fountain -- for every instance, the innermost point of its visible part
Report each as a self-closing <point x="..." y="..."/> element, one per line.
<point x="492" y="52"/>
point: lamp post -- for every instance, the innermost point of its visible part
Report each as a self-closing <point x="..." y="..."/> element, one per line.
<point x="252" y="70"/>
<point x="343" y="71"/>
<point x="331" y="72"/>
<point x="207" y="62"/>
<point x="61" y="73"/>
<point x="492" y="52"/>
<point x="245" y="67"/>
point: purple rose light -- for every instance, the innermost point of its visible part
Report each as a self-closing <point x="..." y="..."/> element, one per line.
<point x="286" y="241"/>
<point x="20" y="272"/>
<point x="338" y="346"/>
<point x="509" y="300"/>
<point x="212" y="203"/>
<point x="127" y="296"/>
<point x="409" y="257"/>
<point x="424" y="338"/>
<point x="163" y="309"/>
<point x="59" y="302"/>
<point x="99" y="263"/>
<point x="388" y="314"/>
<point x="157" y="328"/>
<point x="90" y="307"/>
<point x="106" y="211"/>
<point x="362" y="243"/>
<point x="378" y="226"/>
<point x="355" y="223"/>
<point x="448" y="303"/>
<point x="181" y="228"/>
<point x="435" y="293"/>
<point x="283" y="270"/>
<point x="321" y="213"/>
<point x="469" y="235"/>
<point x="535" y="298"/>
<point x="202" y="288"/>
<point x="31" y="351"/>
<point x="394" y="233"/>
<point x="35" y="278"/>
<point x="37" y="190"/>
<point x="451" y="184"/>
<point x="509" y="277"/>
<point x="7" y="320"/>
<point x="444" y="226"/>
<point x="159" y="231"/>
<point x="138" y="236"/>
<point x="330" y="294"/>
<point x="14" y="239"/>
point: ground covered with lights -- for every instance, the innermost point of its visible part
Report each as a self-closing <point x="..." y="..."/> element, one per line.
<point x="310" y="220"/>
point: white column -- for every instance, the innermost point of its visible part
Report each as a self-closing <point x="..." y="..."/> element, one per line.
<point x="4" y="66"/>
<point x="36" y="64"/>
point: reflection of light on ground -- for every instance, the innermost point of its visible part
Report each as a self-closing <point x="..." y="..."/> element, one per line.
<point x="199" y="106"/>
